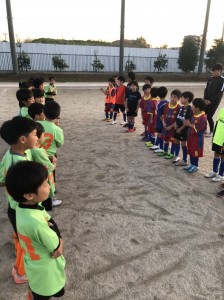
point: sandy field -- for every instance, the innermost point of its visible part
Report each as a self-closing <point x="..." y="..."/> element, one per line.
<point x="135" y="227"/>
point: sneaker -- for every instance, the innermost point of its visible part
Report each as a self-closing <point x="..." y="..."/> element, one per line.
<point x="109" y="120"/>
<point x="56" y="202"/>
<point x="123" y="123"/>
<point x="193" y="169"/>
<point x="113" y="122"/>
<point x="14" y="271"/>
<point x="169" y="156"/>
<point x="220" y="194"/>
<point x="217" y="178"/>
<point x="162" y="153"/>
<point x="159" y="151"/>
<point x="126" y="124"/>
<point x="181" y="163"/>
<point x="154" y="147"/>
<point x="148" y="144"/>
<point x="208" y="135"/>
<point x="18" y="279"/>
<point x="188" y="167"/>
<point x="211" y="175"/>
<point x="176" y="159"/>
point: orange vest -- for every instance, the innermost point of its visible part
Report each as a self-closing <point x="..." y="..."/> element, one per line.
<point x="111" y="95"/>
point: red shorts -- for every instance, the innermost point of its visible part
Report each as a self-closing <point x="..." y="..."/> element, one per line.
<point x="195" y="145"/>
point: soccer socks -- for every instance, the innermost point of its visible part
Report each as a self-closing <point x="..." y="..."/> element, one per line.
<point x="194" y="161"/>
<point x="111" y="115"/>
<point x="221" y="168"/>
<point x="125" y="117"/>
<point x="184" y="149"/>
<point x="161" y="143"/>
<point x="173" y="148"/>
<point x="152" y="138"/>
<point x="107" y="115"/>
<point x="115" y="116"/>
<point x="166" y="147"/>
<point x="157" y="140"/>
<point x="177" y="149"/>
<point x="216" y="162"/>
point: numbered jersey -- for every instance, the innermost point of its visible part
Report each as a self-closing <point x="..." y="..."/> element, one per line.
<point x="53" y="137"/>
<point x="46" y="275"/>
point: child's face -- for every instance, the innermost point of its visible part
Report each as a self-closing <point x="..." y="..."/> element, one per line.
<point x="29" y="102"/>
<point x="147" y="81"/>
<point x="216" y="73"/>
<point x="52" y="82"/>
<point x="147" y="91"/>
<point x="120" y="82"/>
<point x="174" y="99"/>
<point x="41" y="195"/>
<point x="41" y="87"/>
<point x="110" y="84"/>
<point x="115" y="80"/>
<point x="183" y="100"/>
<point x="30" y="141"/>
<point x="195" y="110"/>
<point x="133" y="88"/>
<point x="40" y="100"/>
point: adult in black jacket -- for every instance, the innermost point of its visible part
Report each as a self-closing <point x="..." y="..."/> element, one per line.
<point x="213" y="94"/>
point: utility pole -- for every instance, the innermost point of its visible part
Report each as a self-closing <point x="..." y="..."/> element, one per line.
<point x="203" y="42"/>
<point x="222" y="38"/>
<point x="11" y="37"/>
<point x="121" y="57"/>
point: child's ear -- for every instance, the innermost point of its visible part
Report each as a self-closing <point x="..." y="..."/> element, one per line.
<point x="28" y="196"/>
<point x="22" y="139"/>
<point x="37" y="117"/>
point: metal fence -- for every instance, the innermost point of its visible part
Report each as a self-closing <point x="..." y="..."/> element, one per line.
<point x="83" y="63"/>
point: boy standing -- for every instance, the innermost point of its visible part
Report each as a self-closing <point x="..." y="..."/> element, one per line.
<point x="119" y="101"/>
<point x="110" y="94"/>
<point x="50" y="90"/>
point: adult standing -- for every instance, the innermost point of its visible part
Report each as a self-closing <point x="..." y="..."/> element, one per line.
<point x="213" y="94"/>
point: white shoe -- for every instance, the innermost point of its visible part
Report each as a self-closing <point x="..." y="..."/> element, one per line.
<point x="154" y="147"/>
<point x="176" y="159"/>
<point x="113" y="122"/>
<point x="217" y="178"/>
<point x="123" y="123"/>
<point x="56" y="202"/>
<point x="158" y="151"/>
<point x="211" y="175"/>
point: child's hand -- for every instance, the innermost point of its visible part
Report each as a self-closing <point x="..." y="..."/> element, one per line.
<point x="151" y="121"/>
<point x="178" y="131"/>
<point x="127" y="110"/>
<point x="167" y="128"/>
<point x="54" y="159"/>
<point x="175" y="126"/>
<point x="58" y="252"/>
<point x="187" y="122"/>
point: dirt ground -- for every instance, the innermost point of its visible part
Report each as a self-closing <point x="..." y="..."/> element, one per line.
<point x="135" y="227"/>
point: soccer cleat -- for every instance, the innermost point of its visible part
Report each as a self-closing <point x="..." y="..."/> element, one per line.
<point x="113" y="122"/>
<point x="123" y="123"/>
<point x="18" y="279"/>
<point x="218" y="178"/>
<point x="211" y="175"/>
<point x="188" y="167"/>
<point x="109" y="120"/>
<point x="169" y="156"/>
<point x="159" y="151"/>
<point x="154" y="147"/>
<point x="162" y="153"/>
<point x="181" y="163"/>
<point x="148" y="144"/>
<point x="193" y="169"/>
<point x="56" y="202"/>
<point x="176" y="159"/>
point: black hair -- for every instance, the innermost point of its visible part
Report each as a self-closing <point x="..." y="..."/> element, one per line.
<point x="115" y="76"/>
<point x="134" y="82"/>
<point x="146" y="86"/>
<point x="23" y="85"/>
<point x="162" y="91"/>
<point x="52" y="110"/>
<point x="121" y="78"/>
<point x="12" y="130"/>
<point x="188" y="95"/>
<point x="37" y="82"/>
<point x="131" y="75"/>
<point x="154" y="92"/>
<point x="23" y="95"/>
<point x="150" y="78"/>
<point x="38" y="93"/>
<point x="51" y="77"/>
<point x="176" y="93"/>
<point x="40" y="129"/>
<point x="25" y="177"/>
<point x="35" y="109"/>
<point x="111" y="79"/>
<point x="199" y="103"/>
<point x="217" y="66"/>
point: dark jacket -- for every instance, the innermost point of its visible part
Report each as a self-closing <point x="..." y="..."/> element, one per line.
<point x="214" y="89"/>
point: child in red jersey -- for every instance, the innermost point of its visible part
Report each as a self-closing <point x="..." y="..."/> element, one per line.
<point x="151" y="111"/>
<point x="119" y="101"/>
<point x="171" y="110"/>
<point x="197" y="127"/>
<point x="110" y="93"/>
<point x="143" y="105"/>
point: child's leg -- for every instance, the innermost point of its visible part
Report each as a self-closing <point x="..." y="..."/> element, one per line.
<point x="131" y="122"/>
<point x="194" y="161"/>
<point x="221" y="167"/>
<point x="161" y="142"/>
<point x="152" y="137"/>
<point x="173" y="147"/>
<point x="115" y="116"/>
<point x="216" y="162"/>
<point x="166" y="146"/>
<point x="111" y="114"/>
<point x="184" y="150"/>
<point x="177" y="148"/>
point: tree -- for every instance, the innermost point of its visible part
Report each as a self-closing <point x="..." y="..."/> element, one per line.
<point x="23" y="61"/>
<point x="97" y="65"/>
<point x="129" y="66"/>
<point x="160" y="63"/>
<point x="189" y="53"/>
<point x="215" y="54"/>
<point x="59" y="63"/>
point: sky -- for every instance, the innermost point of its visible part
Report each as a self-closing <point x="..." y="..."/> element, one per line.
<point x="160" y="22"/>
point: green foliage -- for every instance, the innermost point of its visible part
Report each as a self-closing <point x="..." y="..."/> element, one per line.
<point x="160" y="63"/>
<point x="189" y="54"/>
<point x="59" y="63"/>
<point x="97" y="65"/>
<point x="215" y="54"/>
<point x="23" y="61"/>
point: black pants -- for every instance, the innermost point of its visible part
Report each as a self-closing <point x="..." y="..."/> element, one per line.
<point x="57" y="295"/>
<point x="210" y="111"/>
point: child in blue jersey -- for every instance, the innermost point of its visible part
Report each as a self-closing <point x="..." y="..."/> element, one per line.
<point x="162" y="93"/>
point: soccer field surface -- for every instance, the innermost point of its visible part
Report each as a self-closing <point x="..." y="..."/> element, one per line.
<point x="135" y="227"/>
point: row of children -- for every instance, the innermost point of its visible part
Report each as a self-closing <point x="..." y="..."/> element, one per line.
<point x="27" y="170"/>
